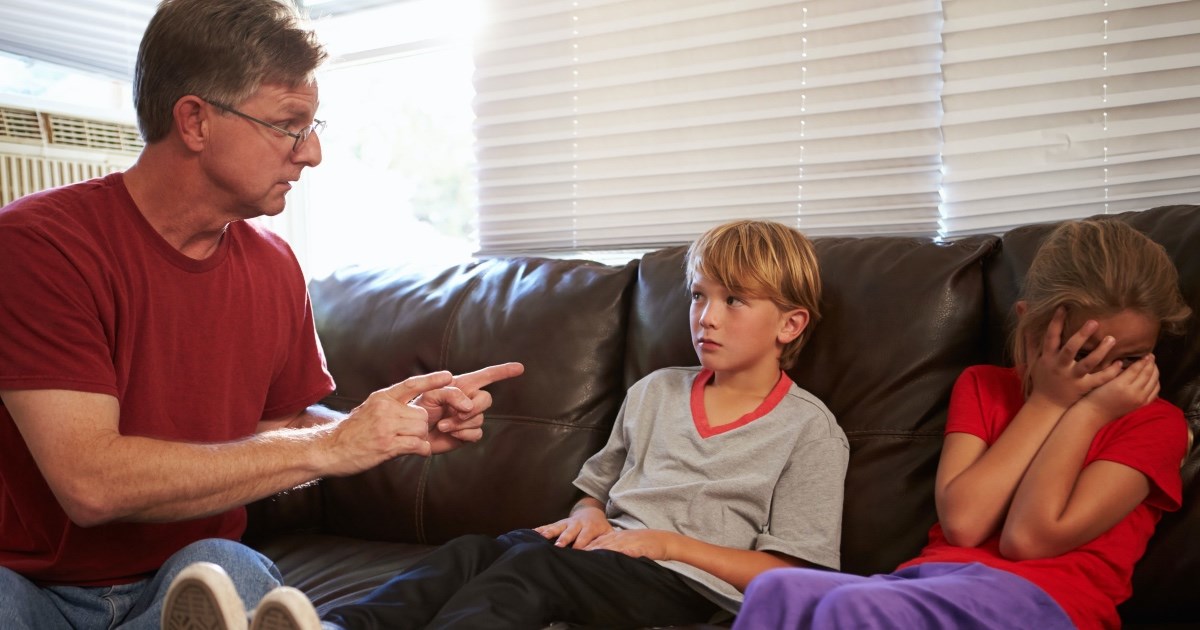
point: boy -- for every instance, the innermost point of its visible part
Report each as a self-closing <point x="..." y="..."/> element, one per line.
<point x="712" y="475"/>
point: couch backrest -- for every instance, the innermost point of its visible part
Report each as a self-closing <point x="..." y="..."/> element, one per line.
<point x="565" y="320"/>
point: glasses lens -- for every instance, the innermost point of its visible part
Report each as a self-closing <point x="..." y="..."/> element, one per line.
<point x="315" y="127"/>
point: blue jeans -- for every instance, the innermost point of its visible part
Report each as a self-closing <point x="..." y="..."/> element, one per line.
<point x="26" y="606"/>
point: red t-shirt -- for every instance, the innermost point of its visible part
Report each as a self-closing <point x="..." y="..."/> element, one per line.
<point x="93" y="299"/>
<point x="1089" y="581"/>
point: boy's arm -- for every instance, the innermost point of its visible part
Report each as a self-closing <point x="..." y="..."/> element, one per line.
<point x="735" y="566"/>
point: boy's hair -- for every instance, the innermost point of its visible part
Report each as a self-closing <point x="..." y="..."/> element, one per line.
<point x="222" y="50"/>
<point x="1098" y="267"/>
<point x="766" y="260"/>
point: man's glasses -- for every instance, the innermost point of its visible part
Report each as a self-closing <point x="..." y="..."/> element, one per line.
<point x="298" y="137"/>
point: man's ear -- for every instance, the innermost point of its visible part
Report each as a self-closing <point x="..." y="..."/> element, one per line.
<point x="191" y="120"/>
<point x="794" y="323"/>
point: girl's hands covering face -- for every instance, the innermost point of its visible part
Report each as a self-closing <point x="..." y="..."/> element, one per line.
<point x="1136" y="386"/>
<point x="1058" y="372"/>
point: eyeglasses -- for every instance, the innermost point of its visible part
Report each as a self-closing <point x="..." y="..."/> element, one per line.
<point x="298" y="137"/>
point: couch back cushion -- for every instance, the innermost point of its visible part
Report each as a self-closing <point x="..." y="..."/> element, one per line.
<point x="901" y="318"/>
<point x="565" y="320"/>
<point x="1162" y="580"/>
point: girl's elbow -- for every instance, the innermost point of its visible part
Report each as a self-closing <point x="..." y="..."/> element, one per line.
<point x="1024" y="545"/>
<point x="964" y="533"/>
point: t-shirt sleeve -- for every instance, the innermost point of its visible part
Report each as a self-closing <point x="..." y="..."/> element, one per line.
<point x="966" y="411"/>
<point x="52" y="332"/>
<point x="304" y="378"/>
<point x="806" y="508"/>
<point x="601" y="470"/>
<point x="1152" y="441"/>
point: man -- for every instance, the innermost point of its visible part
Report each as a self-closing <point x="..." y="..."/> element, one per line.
<point x="158" y="361"/>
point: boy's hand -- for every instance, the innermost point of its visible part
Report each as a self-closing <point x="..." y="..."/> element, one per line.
<point x="1136" y="387"/>
<point x="579" y="529"/>
<point x="653" y="544"/>
<point x="1055" y="373"/>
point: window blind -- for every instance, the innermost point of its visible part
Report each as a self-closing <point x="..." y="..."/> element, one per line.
<point x="606" y="124"/>
<point x="603" y="124"/>
<point x="1057" y="110"/>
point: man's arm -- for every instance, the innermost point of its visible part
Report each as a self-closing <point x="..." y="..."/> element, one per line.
<point x="100" y="476"/>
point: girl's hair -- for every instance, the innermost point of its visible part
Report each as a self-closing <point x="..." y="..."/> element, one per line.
<point x="766" y="260"/>
<point x="1098" y="267"/>
<point x="223" y="50"/>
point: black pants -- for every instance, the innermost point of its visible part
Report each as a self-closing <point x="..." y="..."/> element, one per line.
<point x="521" y="580"/>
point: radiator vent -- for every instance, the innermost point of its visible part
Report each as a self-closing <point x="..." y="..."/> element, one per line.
<point x="20" y="125"/>
<point x="21" y="175"/>
<point x="45" y="150"/>
<point x="93" y="134"/>
<point x="56" y="130"/>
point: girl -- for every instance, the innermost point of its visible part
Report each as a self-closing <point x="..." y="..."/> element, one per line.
<point x="1053" y="474"/>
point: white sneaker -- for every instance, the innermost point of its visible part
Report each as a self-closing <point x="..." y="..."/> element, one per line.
<point x="202" y="597"/>
<point x="285" y="608"/>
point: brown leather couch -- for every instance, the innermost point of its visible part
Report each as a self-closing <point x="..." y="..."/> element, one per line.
<point x="901" y="318"/>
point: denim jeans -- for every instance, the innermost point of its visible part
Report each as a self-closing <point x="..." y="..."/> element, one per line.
<point x="26" y="606"/>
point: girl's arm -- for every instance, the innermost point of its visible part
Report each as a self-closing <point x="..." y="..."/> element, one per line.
<point x="976" y="484"/>
<point x="736" y="566"/>
<point x="1060" y="505"/>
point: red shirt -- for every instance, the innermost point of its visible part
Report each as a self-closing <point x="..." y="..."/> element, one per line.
<point x="93" y="299"/>
<point x="1090" y="580"/>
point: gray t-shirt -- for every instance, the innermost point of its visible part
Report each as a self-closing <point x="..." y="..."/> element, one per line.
<point x="771" y="481"/>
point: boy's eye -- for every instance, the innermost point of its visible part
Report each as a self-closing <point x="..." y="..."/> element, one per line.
<point x="732" y="300"/>
<point x="695" y="296"/>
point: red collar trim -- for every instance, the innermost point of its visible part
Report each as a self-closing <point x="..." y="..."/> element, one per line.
<point x="700" y="417"/>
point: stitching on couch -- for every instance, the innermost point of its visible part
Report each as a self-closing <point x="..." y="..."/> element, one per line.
<point x="444" y="359"/>
<point x="419" y="511"/>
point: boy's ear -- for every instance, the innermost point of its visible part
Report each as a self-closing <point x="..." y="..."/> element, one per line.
<point x="1020" y="307"/>
<point x="794" y="323"/>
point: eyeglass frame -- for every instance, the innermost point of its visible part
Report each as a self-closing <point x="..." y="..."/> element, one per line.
<point x="298" y="137"/>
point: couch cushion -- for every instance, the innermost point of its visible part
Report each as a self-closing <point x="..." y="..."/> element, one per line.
<point x="565" y="320"/>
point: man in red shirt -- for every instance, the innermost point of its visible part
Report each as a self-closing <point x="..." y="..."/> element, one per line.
<point x="159" y="367"/>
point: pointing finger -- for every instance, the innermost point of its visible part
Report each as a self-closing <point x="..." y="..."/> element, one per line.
<point x="473" y="381"/>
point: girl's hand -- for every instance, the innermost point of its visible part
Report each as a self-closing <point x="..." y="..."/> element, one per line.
<point x="1135" y="387"/>
<point x="1055" y="373"/>
<point x="653" y="544"/>
<point x="580" y="528"/>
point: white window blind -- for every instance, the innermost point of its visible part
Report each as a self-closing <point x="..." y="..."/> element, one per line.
<point x="1065" y="109"/>
<point x="604" y="123"/>
<point x="609" y="124"/>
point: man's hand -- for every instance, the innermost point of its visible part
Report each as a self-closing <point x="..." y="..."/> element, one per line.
<point x="455" y="413"/>
<point x="386" y="425"/>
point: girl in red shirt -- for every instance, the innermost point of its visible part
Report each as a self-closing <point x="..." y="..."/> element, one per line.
<point x="1053" y="474"/>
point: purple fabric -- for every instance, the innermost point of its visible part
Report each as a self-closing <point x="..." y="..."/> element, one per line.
<point x="934" y="595"/>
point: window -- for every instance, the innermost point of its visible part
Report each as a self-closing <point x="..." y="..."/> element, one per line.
<point x="617" y="123"/>
<point x="396" y="184"/>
